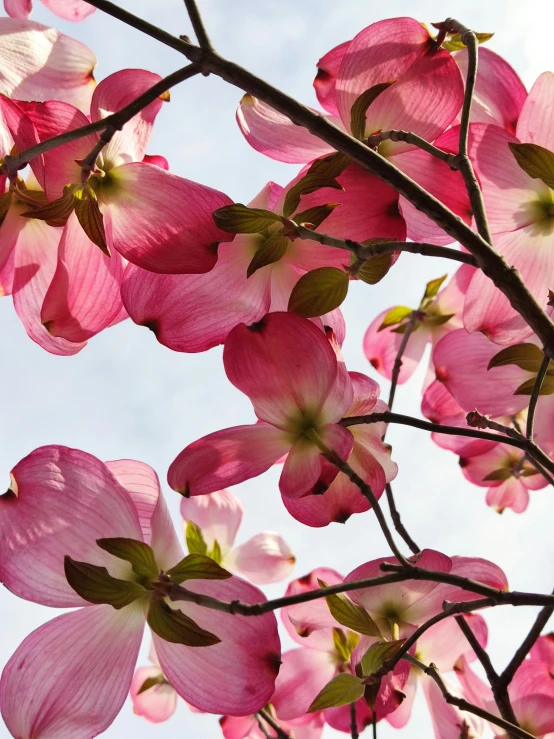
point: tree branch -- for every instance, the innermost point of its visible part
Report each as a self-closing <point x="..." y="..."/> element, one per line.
<point x="110" y="124"/>
<point x="414" y="140"/>
<point x="198" y="24"/>
<point x="353" y="722"/>
<point x="397" y="521"/>
<point x="494" y="266"/>
<point x="543" y="369"/>
<point x="270" y="721"/>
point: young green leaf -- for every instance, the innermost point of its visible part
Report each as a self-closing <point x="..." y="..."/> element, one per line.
<point x="525" y="356"/>
<point x="352" y="616"/>
<point x="345" y="643"/>
<point x="271" y="251"/>
<point x="433" y="287"/>
<point x="90" y="217"/>
<point x="137" y="553"/>
<point x="173" y="626"/>
<point x="197" y="567"/>
<point x="526" y="388"/>
<point x="377" y="654"/>
<point x="96" y="585"/>
<point x="537" y="161"/>
<point x="240" y="219"/>
<point x="308" y="184"/>
<point x="374" y="269"/>
<point x="151" y="682"/>
<point x="316" y="215"/>
<point x="330" y="166"/>
<point x="396" y="315"/>
<point x="500" y="474"/>
<point x="455" y="43"/>
<point x="340" y="691"/>
<point x="359" y="110"/>
<point x="195" y="539"/>
<point x="319" y="292"/>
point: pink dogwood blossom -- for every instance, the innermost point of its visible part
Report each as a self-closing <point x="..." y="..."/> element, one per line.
<point x="299" y="390"/>
<point x="69" y="10"/>
<point x="70" y="676"/>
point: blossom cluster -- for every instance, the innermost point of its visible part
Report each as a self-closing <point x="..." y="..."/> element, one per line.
<point x="97" y="231"/>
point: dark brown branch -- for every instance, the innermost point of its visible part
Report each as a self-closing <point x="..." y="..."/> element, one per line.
<point x="493" y="265"/>
<point x="397" y="366"/>
<point x="543" y="369"/>
<point x="353" y="722"/>
<point x="198" y="24"/>
<point x="270" y="721"/>
<point x="414" y="140"/>
<point x="397" y="521"/>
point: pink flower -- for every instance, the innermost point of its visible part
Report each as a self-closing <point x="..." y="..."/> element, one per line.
<point x="40" y="63"/>
<point x="248" y="727"/>
<point x="425" y="99"/>
<point x="69" y="10"/>
<point x="299" y="390"/>
<point x="519" y="210"/>
<point x="70" y="677"/>
<point x="265" y="558"/>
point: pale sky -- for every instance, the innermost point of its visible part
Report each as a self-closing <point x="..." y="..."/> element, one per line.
<point x="126" y="396"/>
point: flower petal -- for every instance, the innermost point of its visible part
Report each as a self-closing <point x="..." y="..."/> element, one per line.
<point x="39" y="63"/>
<point x="249" y="651"/>
<point x="449" y="722"/>
<point x="265" y="558"/>
<point x="381" y="348"/>
<point x="326" y="78"/>
<point x="18" y="8"/>
<point x="275" y="135"/>
<point x="225" y="458"/>
<point x="70" y="10"/>
<point x="151" y="226"/>
<point x="156" y="704"/>
<point x="63" y="500"/>
<point x="303" y="674"/>
<point x="218" y="515"/>
<point x="536" y="122"/>
<point x="71" y="676"/>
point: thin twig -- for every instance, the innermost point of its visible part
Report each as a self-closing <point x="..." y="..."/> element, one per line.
<point x="514" y="439"/>
<point x="268" y="718"/>
<point x="522" y="652"/>
<point x="198" y="24"/>
<point x="414" y="140"/>
<point x="543" y="369"/>
<point x="374" y="725"/>
<point x="469" y="39"/>
<point x="353" y="722"/>
<point x="493" y="265"/>
<point x="397" y="521"/>
<point x="261" y="726"/>
<point x="397" y="366"/>
<point x="463" y="705"/>
<point x="115" y="121"/>
<point x="364" y="252"/>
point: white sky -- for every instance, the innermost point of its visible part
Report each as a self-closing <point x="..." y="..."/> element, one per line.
<point x="127" y="396"/>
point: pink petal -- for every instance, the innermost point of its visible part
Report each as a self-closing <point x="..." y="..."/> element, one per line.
<point x="326" y="78"/>
<point x="35" y="265"/>
<point x="63" y="501"/>
<point x="499" y="92"/>
<point x="71" y="676"/>
<point x="156" y="704"/>
<point x="536" y="713"/>
<point x="156" y="159"/>
<point x="444" y="643"/>
<point x="461" y="358"/>
<point x="226" y="458"/>
<point x="84" y="296"/>
<point x="535" y="125"/>
<point x="340" y="718"/>
<point x="448" y="721"/>
<point x="60" y="164"/>
<point x="70" y="10"/>
<point x="381" y="348"/>
<point x="366" y="394"/>
<point x="510" y="494"/>
<point x="439" y="406"/>
<point x="477" y="467"/>
<point x="113" y="94"/>
<point x="286" y="366"/>
<point x="543" y="649"/>
<point x="474" y="568"/>
<point x="18" y="8"/>
<point x="399" y="718"/>
<point x="303" y="674"/>
<point x="263" y="559"/>
<point x="218" y="515"/>
<point x="143" y="486"/>
<point x="310" y="624"/>
<point x="39" y="63"/>
<point x="249" y="651"/>
<point x="151" y="226"/>
<point x="274" y="135"/>
<point x="191" y="313"/>
<point x="239" y="727"/>
<point x="486" y="309"/>
<point x="428" y="92"/>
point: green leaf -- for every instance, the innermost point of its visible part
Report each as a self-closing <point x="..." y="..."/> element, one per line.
<point x="345" y="643"/>
<point x="318" y="292"/>
<point x="195" y="539"/>
<point x="316" y="215"/>
<point x="359" y="110"/>
<point x="330" y="166"/>
<point x="272" y="250"/>
<point x="525" y="356"/>
<point x="137" y="553"/>
<point x="396" y="315"/>
<point x="500" y="474"/>
<point x="377" y="654"/>
<point x="433" y="287"/>
<point x="96" y="585"/>
<point x="454" y="41"/>
<point x="373" y="269"/>
<point x="5" y="202"/>
<point x="173" y="626"/>
<point x="437" y="319"/>
<point x="537" y="161"/>
<point x="526" y="388"/>
<point x="56" y="212"/>
<point x="349" y="614"/>
<point x="151" y="682"/>
<point x="240" y="219"/>
<point x="90" y="217"/>
<point x="306" y="185"/>
<point x="197" y="567"/>
<point x="340" y="691"/>
<point x="215" y="553"/>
